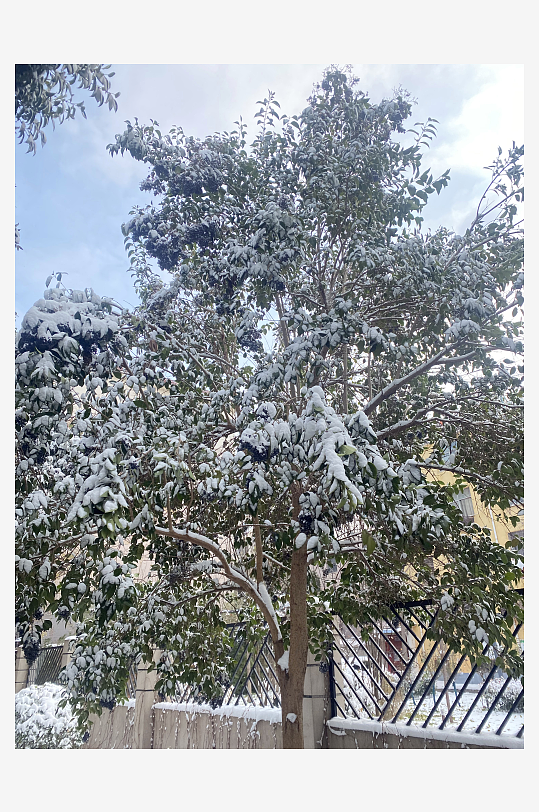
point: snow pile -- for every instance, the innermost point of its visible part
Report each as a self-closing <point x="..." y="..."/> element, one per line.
<point x="39" y="721"/>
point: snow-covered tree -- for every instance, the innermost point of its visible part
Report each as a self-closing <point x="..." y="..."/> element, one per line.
<point x="266" y="425"/>
<point x="44" y="94"/>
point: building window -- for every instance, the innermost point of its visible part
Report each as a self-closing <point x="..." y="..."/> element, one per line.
<point x="464" y="501"/>
<point x="518" y="534"/>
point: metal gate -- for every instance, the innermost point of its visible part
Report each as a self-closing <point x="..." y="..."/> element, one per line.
<point x="46" y="667"/>
<point x="253" y="677"/>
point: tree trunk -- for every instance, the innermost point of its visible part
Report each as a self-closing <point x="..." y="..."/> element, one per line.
<point x="292" y="681"/>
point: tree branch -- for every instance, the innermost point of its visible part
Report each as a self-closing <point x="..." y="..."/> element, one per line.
<point x="394" y="386"/>
<point x="257" y="592"/>
<point x="461" y="471"/>
<point x="258" y="548"/>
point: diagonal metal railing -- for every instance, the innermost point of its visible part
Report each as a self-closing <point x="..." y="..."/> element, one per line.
<point x="253" y="675"/>
<point x="384" y="670"/>
<point x="391" y="671"/>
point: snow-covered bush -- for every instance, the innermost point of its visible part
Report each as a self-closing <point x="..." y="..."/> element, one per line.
<point x="40" y="723"/>
<point x="509" y="696"/>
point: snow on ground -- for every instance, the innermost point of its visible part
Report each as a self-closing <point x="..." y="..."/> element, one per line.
<point x="465" y="701"/>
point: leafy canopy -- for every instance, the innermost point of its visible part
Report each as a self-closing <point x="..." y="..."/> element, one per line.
<point x="303" y="360"/>
<point x="44" y="94"/>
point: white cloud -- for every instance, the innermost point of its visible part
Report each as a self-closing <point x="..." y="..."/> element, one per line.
<point x="492" y="117"/>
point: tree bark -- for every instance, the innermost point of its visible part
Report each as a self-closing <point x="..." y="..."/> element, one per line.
<point x="291" y="681"/>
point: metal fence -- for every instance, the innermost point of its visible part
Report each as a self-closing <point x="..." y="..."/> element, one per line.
<point x="132" y="680"/>
<point x="46" y="667"/>
<point x="384" y="670"/>
<point x="390" y="671"/>
<point x="253" y="678"/>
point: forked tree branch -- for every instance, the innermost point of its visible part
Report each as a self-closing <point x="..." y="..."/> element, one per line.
<point x="258" y="593"/>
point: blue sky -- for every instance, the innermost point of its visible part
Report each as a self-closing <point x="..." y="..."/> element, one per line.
<point x="72" y="196"/>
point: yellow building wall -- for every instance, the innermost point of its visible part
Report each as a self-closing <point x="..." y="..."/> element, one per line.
<point x="500" y="531"/>
<point x="492" y="518"/>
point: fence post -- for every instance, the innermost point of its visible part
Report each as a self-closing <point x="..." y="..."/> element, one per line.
<point x="145" y="697"/>
<point x="332" y="689"/>
<point x="21" y="670"/>
<point x="66" y="654"/>
<point x="316" y="706"/>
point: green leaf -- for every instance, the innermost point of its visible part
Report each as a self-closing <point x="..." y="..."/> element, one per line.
<point x="345" y="450"/>
<point x="368" y="541"/>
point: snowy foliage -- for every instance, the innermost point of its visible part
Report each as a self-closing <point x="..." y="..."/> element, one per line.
<point x="41" y="722"/>
<point x="509" y="697"/>
<point x="43" y="93"/>
<point x="282" y="395"/>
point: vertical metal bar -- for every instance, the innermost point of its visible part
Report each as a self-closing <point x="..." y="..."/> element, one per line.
<point x="332" y="688"/>
<point x="520" y="732"/>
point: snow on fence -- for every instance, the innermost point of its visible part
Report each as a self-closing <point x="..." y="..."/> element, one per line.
<point x="384" y="679"/>
<point x="186" y="726"/>
<point x="389" y="672"/>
